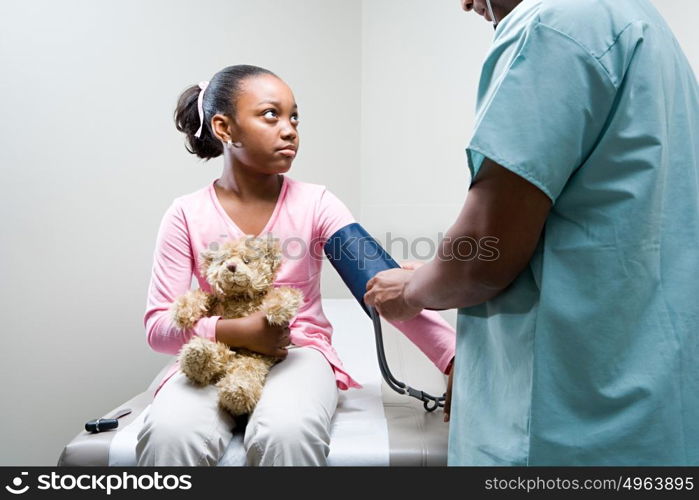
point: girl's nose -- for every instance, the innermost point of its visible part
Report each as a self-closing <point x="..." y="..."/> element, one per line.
<point x="289" y="133"/>
<point x="467" y="5"/>
<point x="231" y="267"/>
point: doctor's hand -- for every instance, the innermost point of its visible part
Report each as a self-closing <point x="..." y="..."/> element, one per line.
<point x="411" y="265"/>
<point x="447" y="397"/>
<point x="386" y="292"/>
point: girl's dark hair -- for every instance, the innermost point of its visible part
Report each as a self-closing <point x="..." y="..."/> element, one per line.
<point x="219" y="97"/>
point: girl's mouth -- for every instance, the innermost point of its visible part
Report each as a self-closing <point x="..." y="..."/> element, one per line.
<point x="289" y="153"/>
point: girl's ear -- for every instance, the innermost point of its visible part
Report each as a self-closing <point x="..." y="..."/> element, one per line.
<point x="221" y="125"/>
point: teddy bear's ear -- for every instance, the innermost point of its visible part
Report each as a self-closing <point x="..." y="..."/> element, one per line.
<point x="273" y="252"/>
<point x="206" y="257"/>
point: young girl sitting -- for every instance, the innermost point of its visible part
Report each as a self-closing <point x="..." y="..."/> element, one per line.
<point x="249" y="115"/>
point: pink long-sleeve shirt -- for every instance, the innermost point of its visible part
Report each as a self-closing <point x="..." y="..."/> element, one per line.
<point x="305" y="216"/>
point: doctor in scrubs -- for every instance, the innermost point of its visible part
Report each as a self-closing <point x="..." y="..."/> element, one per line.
<point x="578" y="340"/>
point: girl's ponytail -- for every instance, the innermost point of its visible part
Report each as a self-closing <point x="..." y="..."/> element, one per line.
<point x="187" y="121"/>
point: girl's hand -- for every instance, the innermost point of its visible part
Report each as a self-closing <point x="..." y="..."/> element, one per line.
<point x="260" y="336"/>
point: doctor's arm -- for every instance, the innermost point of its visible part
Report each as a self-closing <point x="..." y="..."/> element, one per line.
<point x="502" y="207"/>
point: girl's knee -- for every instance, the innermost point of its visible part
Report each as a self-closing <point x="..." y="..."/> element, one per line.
<point x="287" y="433"/>
<point x="168" y="442"/>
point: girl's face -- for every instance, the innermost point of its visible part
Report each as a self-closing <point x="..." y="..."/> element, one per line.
<point x="264" y="131"/>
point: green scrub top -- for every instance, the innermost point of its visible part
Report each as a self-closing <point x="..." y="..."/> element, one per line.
<point x="591" y="356"/>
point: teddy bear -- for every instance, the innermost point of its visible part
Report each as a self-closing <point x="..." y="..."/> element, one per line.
<point x="241" y="273"/>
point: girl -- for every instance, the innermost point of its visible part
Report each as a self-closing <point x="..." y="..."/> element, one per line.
<point x="249" y="115"/>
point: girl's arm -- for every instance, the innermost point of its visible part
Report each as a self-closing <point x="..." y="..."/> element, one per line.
<point x="428" y="330"/>
<point x="171" y="277"/>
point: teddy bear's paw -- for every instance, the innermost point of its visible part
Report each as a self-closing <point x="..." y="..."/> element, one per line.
<point x="203" y="361"/>
<point x="282" y="304"/>
<point x="239" y="394"/>
<point x="189" y="308"/>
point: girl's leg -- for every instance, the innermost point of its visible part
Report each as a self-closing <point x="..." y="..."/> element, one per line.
<point x="291" y="423"/>
<point x="185" y="426"/>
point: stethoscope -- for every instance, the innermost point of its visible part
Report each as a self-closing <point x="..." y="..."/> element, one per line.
<point x="492" y="14"/>
<point x="430" y="402"/>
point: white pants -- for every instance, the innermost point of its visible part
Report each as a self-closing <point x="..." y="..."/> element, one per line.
<point x="290" y="425"/>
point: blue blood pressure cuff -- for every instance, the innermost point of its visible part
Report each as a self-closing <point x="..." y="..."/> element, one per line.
<point x="357" y="257"/>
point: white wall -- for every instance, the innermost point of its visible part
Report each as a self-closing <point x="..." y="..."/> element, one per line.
<point x="420" y="66"/>
<point x="90" y="159"/>
<point x="682" y="16"/>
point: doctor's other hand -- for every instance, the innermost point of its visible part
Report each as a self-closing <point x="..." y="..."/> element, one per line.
<point x="386" y="292"/>
<point x="447" y="397"/>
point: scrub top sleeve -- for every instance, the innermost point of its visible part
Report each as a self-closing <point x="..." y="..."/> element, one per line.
<point x="543" y="116"/>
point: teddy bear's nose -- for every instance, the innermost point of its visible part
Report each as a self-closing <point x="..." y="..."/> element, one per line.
<point x="231" y="267"/>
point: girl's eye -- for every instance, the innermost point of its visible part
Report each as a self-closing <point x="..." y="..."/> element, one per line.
<point x="295" y="118"/>
<point x="270" y="113"/>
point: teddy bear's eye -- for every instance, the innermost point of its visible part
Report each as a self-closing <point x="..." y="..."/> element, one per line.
<point x="246" y="260"/>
